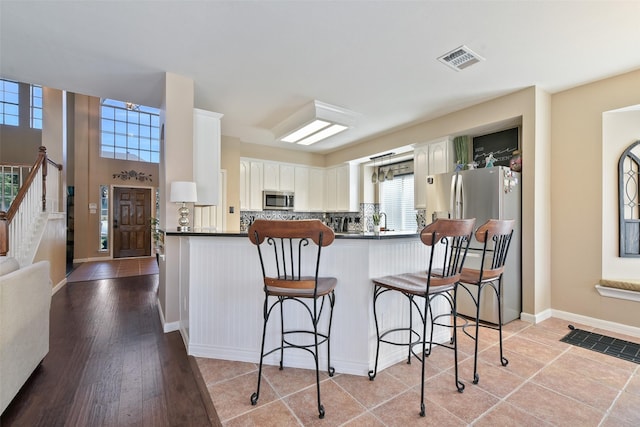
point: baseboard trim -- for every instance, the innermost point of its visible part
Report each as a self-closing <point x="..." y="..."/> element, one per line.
<point x="597" y="323"/>
<point x="166" y="327"/>
<point x="59" y="286"/>
<point x="536" y="318"/>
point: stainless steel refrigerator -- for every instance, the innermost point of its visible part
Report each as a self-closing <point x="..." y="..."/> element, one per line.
<point x="483" y="194"/>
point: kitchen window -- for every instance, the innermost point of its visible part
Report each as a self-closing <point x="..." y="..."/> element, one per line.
<point x="396" y="201"/>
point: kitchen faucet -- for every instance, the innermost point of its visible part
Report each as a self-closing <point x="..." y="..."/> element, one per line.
<point x="385" y="220"/>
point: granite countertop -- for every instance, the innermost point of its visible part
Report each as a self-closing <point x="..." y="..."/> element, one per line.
<point x="352" y="235"/>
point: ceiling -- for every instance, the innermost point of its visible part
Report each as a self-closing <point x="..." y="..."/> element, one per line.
<point x="257" y="62"/>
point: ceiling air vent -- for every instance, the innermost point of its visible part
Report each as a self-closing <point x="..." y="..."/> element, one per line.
<point x="460" y="58"/>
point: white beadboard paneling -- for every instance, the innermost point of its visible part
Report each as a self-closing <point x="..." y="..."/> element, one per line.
<point x="226" y="301"/>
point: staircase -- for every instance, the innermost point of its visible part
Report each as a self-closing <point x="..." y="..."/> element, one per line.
<point x="38" y="194"/>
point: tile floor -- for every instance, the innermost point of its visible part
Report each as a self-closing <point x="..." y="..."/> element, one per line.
<point x="113" y="269"/>
<point x="546" y="382"/>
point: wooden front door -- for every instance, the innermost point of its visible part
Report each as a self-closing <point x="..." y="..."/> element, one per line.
<point x="131" y="227"/>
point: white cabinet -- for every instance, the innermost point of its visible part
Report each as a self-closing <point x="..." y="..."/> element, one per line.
<point x="430" y="159"/>
<point x="278" y="176"/>
<point x="341" y="189"/>
<point x="301" y="188"/>
<point x="271" y="176"/>
<point x="256" y="186"/>
<point x="287" y="178"/>
<point x="251" y="185"/>
<point x="206" y="156"/>
<point x="316" y="189"/>
<point x="245" y="184"/>
<point x="420" y="172"/>
<point x="441" y="157"/>
<point x="330" y="185"/>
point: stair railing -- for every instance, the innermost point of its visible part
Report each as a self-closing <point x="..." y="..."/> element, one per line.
<point x="30" y="201"/>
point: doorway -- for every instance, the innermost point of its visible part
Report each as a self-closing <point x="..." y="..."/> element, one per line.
<point x="131" y="227"/>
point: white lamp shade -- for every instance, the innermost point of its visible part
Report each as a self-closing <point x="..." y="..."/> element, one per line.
<point x="183" y="191"/>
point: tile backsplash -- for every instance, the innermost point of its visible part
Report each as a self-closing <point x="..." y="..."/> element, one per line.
<point x="338" y="221"/>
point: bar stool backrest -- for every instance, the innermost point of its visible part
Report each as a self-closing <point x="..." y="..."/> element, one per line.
<point x="495" y="235"/>
<point x="449" y="238"/>
<point x="290" y="260"/>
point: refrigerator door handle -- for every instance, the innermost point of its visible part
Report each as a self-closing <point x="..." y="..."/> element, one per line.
<point x="460" y="198"/>
<point x="452" y="196"/>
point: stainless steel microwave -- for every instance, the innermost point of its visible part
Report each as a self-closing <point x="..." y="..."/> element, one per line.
<point x="277" y="200"/>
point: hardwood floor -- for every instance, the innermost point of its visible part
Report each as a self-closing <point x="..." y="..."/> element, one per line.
<point x="110" y="363"/>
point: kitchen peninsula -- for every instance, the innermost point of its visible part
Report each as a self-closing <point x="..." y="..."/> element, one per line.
<point x="221" y="297"/>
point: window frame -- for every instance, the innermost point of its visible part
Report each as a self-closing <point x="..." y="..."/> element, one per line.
<point x="629" y="201"/>
<point x="129" y="131"/>
<point x="405" y="203"/>
<point x="35" y="107"/>
<point x="5" y="103"/>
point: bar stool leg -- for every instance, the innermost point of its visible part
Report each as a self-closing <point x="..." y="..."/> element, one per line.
<point x="503" y="360"/>
<point x="332" y="301"/>
<point x="266" y="311"/>
<point x="424" y="351"/>
<point x="315" y="357"/>
<point x="454" y="310"/>
<point x="476" y="377"/>
<point x="281" y="299"/>
<point x="376" y="293"/>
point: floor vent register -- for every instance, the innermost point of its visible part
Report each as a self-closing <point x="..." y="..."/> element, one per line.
<point x="615" y="347"/>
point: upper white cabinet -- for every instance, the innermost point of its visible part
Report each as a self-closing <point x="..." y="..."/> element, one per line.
<point x="430" y="158"/>
<point x="287" y="177"/>
<point x="420" y="172"/>
<point x="278" y="176"/>
<point x="341" y="188"/>
<point x="441" y="157"/>
<point x="271" y="176"/>
<point x="245" y="184"/>
<point x="256" y="186"/>
<point x="206" y="156"/>
<point x="316" y="189"/>
<point x="301" y="188"/>
<point x="251" y="185"/>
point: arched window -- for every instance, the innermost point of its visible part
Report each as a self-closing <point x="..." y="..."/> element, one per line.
<point x="629" y="201"/>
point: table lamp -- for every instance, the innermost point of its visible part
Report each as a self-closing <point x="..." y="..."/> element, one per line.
<point x="183" y="192"/>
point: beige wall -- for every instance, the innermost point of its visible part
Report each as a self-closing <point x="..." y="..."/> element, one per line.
<point x="176" y="164"/>
<point x="620" y="129"/>
<point x="531" y="108"/>
<point x="578" y="172"/>
<point x="230" y="161"/>
<point x="265" y="152"/>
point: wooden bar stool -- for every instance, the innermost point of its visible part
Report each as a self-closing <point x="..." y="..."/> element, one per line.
<point x="449" y="240"/>
<point x="289" y="253"/>
<point x="495" y="235"/>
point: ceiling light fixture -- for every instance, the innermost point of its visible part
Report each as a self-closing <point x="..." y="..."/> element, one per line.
<point x="378" y="173"/>
<point x="314" y="122"/>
